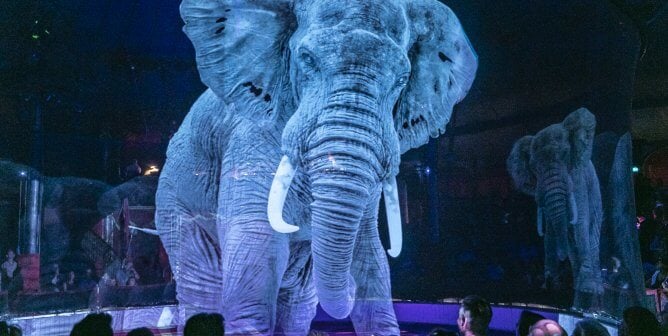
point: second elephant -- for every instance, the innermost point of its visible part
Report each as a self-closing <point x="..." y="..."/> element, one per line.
<point x="555" y="167"/>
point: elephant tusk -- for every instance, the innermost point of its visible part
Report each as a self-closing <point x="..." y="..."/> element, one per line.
<point x="539" y="222"/>
<point x="277" y="195"/>
<point x="145" y="230"/>
<point x="574" y="209"/>
<point x="391" y="196"/>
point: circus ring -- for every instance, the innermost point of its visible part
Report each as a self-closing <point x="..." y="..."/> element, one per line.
<point x="414" y="319"/>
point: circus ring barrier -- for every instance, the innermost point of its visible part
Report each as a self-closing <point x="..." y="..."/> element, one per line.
<point x="415" y="318"/>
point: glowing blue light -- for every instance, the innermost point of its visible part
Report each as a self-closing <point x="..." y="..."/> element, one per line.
<point x="635" y="169"/>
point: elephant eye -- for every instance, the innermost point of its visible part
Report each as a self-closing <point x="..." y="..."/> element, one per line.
<point x="402" y="81"/>
<point x="307" y="59"/>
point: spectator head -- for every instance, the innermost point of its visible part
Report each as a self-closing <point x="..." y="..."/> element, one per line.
<point x="547" y="328"/>
<point x="638" y="321"/>
<point x="93" y="324"/>
<point x="662" y="263"/>
<point x="10" y="254"/>
<point x="140" y="332"/>
<point x="441" y="332"/>
<point x="658" y="213"/>
<point x="527" y="319"/>
<point x="9" y="330"/>
<point x="475" y="313"/>
<point x="590" y="327"/>
<point x="204" y="325"/>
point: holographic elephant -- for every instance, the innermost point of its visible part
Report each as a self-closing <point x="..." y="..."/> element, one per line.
<point x="555" y="167"/>
<point x="331" y="93"/>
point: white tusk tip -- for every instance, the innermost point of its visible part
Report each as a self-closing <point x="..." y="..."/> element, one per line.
<point x="285" y="228"/>
<point x="393" y="253"/>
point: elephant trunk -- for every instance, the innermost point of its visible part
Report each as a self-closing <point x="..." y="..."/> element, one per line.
<point x="344" y="161"/>
<point x="336" y="211"/>
<point x="555" y="195"/>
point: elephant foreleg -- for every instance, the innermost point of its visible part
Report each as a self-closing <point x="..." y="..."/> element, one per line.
<point x="198" y="273"/>
<point x="255" y="257"/>
<point x="297" y="300"/>
<point x="185" y="221"/>
<point x="373" y="312"/>
<point x="586" y="232"/>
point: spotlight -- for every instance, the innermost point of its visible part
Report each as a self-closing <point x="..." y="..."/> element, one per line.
<point x="151" y="170"/>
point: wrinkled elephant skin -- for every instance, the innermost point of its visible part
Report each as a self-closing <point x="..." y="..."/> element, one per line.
<point x="336" y="91"/>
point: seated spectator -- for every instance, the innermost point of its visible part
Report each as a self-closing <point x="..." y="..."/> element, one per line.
<point x="71" y="283"/>
<point x="93" y="324"/>
<point x="590" y="327"/>
<point x="204" y="325"/>
<point x="9" y="330"/>
<point x="527" y="319"/>
<point x="108" y="280"/>
<point x="547" y="328"/>
<point x="126" y="272"/>
<point x="638" y="321"/>
<point x="140" y="332"/>
<point x="132" y="170"/>
<point x="659" y="275"/>
<point x="88" y="281"/>
<point x="9" y="266"/>
<point x="617" y="276"/>
<point x="52" y="280"/>
<point x="11" y="279"/>
<point x="475" y="313"/>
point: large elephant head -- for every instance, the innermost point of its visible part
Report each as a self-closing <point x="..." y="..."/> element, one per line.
<point x="356" y="83"/>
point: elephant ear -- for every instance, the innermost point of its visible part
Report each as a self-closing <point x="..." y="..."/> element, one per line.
<point x="241" y="50"/>
<point x="518" y="164"/>
<point x="443" y="66"/>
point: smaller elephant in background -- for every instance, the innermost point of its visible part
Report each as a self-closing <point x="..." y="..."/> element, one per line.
<point x="555" y="167"/>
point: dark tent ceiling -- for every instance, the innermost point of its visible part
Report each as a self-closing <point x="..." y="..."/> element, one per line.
<point x="123" y="70"/>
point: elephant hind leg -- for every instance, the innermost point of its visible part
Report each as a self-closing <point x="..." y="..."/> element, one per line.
<point x="296" y="299"/>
